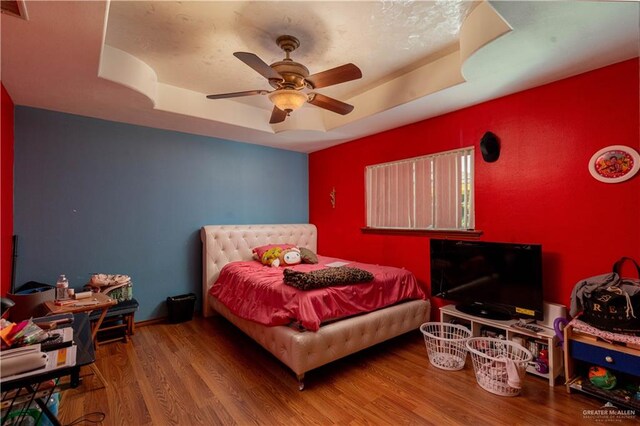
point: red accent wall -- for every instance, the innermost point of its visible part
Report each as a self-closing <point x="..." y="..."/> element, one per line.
<point x="539" y="191"/>
<point x="6" y="189"/>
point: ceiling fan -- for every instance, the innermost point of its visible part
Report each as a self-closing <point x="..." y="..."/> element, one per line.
<point x="288" y="78"/>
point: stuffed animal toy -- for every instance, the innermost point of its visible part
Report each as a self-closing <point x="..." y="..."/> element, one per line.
<point x="290" y="256"/>
<point x="271" y="257"/>
<point x="277" y="256"/>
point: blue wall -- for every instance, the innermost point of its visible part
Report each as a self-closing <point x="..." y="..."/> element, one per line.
<point x="98" y="196"/>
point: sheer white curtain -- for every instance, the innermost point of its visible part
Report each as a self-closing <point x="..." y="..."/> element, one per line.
<point x="430" y="192"/>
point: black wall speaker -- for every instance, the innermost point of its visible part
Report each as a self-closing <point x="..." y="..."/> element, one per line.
<point x="490" y="147"/>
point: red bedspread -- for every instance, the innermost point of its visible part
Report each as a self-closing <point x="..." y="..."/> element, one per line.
<point x="257" y="293"/>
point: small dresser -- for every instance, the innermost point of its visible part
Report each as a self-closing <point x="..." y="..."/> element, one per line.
<point x="581" y="351"/>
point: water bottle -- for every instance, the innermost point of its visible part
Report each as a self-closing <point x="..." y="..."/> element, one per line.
<point x="61" y="287"/>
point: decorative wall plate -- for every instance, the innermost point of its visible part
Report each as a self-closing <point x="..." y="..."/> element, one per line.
<point x="615" y="163"/>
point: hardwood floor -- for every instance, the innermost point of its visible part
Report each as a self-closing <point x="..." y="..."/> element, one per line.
<point x="207" y="372"/>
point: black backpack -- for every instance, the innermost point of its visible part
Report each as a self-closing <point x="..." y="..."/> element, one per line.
<point x="611" y="302"/>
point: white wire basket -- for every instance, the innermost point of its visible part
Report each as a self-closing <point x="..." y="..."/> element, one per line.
<point x="499" y="365"/>
<point x="446" y="344"/>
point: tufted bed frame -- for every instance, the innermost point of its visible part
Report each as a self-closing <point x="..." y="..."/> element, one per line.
<point x="301" y="351"/>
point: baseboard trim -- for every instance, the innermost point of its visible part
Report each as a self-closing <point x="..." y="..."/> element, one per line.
<point x="160" y="320"/>
<point x="151" y="322"/>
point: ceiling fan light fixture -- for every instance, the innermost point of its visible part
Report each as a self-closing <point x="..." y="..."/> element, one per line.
<point x="287" y="100"/>
<point x="289" y="78"/>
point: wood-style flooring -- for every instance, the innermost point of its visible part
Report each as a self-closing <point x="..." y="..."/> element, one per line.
<point x="206" y="372"/>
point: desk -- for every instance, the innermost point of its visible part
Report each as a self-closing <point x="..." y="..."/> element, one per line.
<point x="85" y="355"/>
<point x="101" y="302"/>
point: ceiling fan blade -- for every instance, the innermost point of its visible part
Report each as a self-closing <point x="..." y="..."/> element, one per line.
<point x="258" y="65"/>
<point x="238" y="94"/>
<point x="277" y="115"/>
<point x="341" y="74"/>
<point x="331" y="104"/>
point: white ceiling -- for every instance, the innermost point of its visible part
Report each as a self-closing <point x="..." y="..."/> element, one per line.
<point x="152" y="63"/>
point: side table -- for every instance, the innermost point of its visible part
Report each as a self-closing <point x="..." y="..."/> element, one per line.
<point x="95" y="302"/>
<point x="583" y="350"/>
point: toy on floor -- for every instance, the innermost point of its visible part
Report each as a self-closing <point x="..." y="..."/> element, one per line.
<point x="602" y="378"/>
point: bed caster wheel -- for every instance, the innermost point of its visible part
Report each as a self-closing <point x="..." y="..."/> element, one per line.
<point x="300" y="382"/>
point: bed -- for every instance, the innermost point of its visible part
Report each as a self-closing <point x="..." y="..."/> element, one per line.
<point x="300" y="350"/>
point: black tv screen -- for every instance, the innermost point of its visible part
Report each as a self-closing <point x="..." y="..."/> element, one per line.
<point x="495" y="280"/>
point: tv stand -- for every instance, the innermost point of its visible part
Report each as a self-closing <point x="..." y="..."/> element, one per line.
<point x="544" y="338"/>
<point x="483" y="311"/>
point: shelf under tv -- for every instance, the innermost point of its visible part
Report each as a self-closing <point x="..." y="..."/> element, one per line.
<point x="450" y="313"/>
<point x="483" y="311"/>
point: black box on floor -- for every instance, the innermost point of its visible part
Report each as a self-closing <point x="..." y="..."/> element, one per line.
<point x="181" y="307"/>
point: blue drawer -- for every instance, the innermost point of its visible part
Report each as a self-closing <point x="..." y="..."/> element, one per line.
<point x="610" y="358"/>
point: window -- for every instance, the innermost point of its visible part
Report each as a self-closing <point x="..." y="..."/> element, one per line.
<point x="430" y="192"/>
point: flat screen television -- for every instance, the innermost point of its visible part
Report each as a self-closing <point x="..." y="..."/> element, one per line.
<point x="489" y="279"/>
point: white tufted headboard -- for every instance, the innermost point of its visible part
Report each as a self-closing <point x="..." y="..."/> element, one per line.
<point x="222" y="244"/>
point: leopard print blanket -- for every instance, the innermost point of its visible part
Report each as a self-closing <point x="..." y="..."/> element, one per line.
<point x="328" y="277"/>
